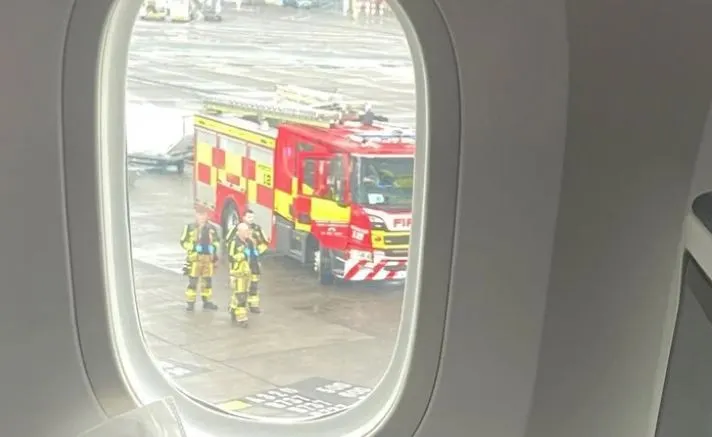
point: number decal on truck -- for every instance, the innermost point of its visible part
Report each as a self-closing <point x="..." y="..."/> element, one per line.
<point x="264" y="175"/>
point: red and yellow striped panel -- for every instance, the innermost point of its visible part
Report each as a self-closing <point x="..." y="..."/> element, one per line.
<point x="283" y="201"/>
<point x="204" y="169"/>
<point x="229" y="169"/>
<point x="260" y="187"/>
<point x="215" y="165"/>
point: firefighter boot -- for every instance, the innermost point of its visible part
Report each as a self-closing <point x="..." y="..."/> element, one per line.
<point x="238" y="317"/>
<point x="190" y="299"/>
<point x="238" y="309"/>
<point x="208" y="306"/>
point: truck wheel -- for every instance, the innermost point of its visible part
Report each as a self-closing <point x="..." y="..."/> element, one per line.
<point x="323" y="266"/>
<point x="230" y="217"/>
<point x="180" y="167"/>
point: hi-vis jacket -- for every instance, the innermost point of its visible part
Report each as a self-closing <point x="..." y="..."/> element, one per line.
<point x="257" y="236"/>
<point x="200" y="240"/>
<point x="243" y="257"/>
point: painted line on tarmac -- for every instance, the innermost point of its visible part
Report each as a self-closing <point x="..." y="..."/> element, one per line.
<point x="176" y="369"/>
<point x="309" y="398"/>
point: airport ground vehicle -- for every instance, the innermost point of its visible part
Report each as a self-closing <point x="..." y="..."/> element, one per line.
<point x="210" y="10"/>
<point x="302" y="4"/>
<point x="158" y="138"/>
<point x="334" y="195"/>
<point x="181" y="11"/>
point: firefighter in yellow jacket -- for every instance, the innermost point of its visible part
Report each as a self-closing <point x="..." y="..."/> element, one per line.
<point x="244" y="264"/>
<point x="200" y="241"/>
<point x="261" y="245"/>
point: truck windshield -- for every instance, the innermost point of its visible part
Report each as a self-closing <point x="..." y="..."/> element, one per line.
<point x="382" y="181"/>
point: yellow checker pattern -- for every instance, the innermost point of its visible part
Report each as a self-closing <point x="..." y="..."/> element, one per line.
<point x="233" y="166"/>
<point x="264" y="174"/>
<point x="204" y="153"/>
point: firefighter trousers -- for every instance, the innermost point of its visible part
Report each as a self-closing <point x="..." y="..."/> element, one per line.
<point x="200" y="270"/>
<point x="240" y="284"/>
<point x="253" y="295"/>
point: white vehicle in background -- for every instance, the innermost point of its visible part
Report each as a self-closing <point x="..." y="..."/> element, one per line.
<point x="181" y="11"/>
<point x="211" y="10"/>
<point x="167" y="10"/>
<point x="158" y="138"/>
<point x="301" y="4"/>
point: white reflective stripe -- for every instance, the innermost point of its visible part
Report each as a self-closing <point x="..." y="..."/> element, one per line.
<point x="354" y="270"/>
<point x="401" y="274"/>
<point x="360" y="276"/>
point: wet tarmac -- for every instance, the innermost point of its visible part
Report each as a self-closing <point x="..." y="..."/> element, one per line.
<point x="315" y="349"/>
<point x="181" y="64"/>
<point x="343" y="333"/>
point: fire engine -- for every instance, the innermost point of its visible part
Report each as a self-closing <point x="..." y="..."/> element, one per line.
<point x="333" y="194"/>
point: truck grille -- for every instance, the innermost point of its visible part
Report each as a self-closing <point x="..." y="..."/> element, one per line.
<point x="396" y="253"/>
<point x="396" y="240"/>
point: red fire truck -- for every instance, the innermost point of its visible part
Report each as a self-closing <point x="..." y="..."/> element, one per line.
<point x="335" y="195"/>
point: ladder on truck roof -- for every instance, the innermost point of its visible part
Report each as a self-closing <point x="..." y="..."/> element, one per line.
<point x="317" y="99"/>
<point x="308" y="96"/>
<point x="293" y="104"/>
<point x="273" y="112"/>
<point x="391" y="134"/>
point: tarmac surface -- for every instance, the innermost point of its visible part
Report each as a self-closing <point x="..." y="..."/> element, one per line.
<point x="315" y="349"/>
<point x="175" y="64"/>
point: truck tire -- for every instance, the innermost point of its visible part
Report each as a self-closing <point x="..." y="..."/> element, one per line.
<point x="323" y="266"/>
<point x="230" y="217"/>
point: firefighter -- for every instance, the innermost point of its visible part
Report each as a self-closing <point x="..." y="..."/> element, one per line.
<point x="261" y="245"/>
<point x="244" y="264"/>
<point x="200" y="241"/>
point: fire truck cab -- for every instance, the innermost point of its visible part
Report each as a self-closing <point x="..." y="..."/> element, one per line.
<point x="335" y="195"/>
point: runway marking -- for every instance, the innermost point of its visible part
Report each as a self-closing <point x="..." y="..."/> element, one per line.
<point x="177" y="370"/>
<point x="235" y="405"/>
<point x="309" y="398"/>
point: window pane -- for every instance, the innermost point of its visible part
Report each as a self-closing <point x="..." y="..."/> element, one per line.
<point x="233" y="146"/>
<point x="206" y="137"/>
<point x="324" y="307"/>
<point x="309" y="174"/>
<point x="262" y="156"/>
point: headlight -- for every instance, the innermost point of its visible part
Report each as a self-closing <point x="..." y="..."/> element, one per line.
<point x="376" y="221"/>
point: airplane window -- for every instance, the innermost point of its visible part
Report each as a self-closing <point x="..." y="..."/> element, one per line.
<point x="253" y="295"/>
<point x="687" y="395"/>
<point x="702" y="208"/>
